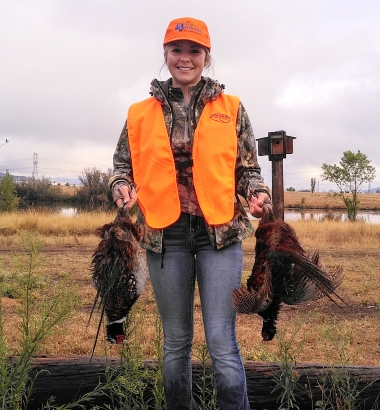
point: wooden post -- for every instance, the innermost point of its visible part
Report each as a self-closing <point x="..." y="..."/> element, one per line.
<point x="278" y="189"/>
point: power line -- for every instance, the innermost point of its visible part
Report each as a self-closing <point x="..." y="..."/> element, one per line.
<point x="58" y="169"/>
<point x="14" y="160"/>
<point x="6" y="142"/>
<point x="66" y="162"/>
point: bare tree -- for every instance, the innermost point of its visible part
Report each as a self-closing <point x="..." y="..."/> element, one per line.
<point x="95" y="186"/>
<point x="313" y="183"/>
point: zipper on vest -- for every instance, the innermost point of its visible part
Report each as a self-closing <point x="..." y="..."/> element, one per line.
<point x="187" y="128"/>
<point x="171" y="111"/>
<point x="190" y="115"/>
<point x="195" y="101"/>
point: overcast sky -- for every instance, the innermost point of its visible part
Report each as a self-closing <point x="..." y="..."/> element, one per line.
<point x="69" y="70"/>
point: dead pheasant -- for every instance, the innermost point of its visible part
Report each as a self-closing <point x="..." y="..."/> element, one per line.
<point x="118" y="273"/>
<point x="282" y="273"/>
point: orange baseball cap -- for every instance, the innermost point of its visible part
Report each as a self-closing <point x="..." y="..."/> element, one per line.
<point x="188" y="28"/>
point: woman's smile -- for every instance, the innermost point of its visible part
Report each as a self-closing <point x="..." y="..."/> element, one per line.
<point x="186" y="61"/>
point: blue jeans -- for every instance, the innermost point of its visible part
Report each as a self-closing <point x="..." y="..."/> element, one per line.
<point x="189" y="256"/>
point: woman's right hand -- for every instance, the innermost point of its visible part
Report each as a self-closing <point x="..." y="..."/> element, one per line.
<point x="129" y="197"/>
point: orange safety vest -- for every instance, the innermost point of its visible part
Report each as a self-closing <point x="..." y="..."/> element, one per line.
<point x="214" y="154"/>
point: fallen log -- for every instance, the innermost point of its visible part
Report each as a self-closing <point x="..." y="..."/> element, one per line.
<point x="67" y="378"/>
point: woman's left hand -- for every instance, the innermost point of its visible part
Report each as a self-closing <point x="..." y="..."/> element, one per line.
<point x="129" y="197"/>
<point x="256" y="204"/>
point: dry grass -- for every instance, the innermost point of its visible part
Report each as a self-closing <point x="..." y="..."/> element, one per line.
<point x="326" y="328"/>
<point x="332" y="234"/>
<point x="69" y="243"/>
<point x="69" y="190"/>
<point x="324" y="200"/>
<point x="54" y="224"/>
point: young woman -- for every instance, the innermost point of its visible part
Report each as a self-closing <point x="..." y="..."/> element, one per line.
<point x="185" y="154"/>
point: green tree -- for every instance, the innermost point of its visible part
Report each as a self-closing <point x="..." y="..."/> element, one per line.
<point x="8" y="197"/>
<point x="38" y="189"/>
<point x="354" y="170"/>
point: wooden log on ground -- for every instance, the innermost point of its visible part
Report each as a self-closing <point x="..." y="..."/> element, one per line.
<point x="312" y="379"/>
<point x="68" y="378"/>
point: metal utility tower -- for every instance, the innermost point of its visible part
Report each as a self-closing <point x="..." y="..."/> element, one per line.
<point x="35" y="165"/>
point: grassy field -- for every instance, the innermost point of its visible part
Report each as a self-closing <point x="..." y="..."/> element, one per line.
<point x="69" y="190"/>
<point x="324" y="200"/>
<point x="323" y="332"/>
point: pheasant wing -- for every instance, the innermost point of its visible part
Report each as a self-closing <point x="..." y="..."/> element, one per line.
<point x="258" y="294"/>
<point x="307" y="280"/>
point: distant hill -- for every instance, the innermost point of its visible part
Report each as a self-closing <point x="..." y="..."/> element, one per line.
<point x="16" y="178"/>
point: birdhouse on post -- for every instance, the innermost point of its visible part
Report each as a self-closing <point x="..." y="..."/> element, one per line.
<point x="276" y="146"/>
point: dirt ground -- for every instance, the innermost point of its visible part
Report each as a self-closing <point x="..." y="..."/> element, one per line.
<point x="77" y="261"/>
<point x="359" y="321"/>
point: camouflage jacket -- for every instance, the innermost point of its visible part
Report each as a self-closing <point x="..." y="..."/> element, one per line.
<point x="181" y="121"/>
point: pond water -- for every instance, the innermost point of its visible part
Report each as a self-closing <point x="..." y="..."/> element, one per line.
<point x="65" y="209"/>
<point x="70" y="210"/>
<point x="295" y="215"/>
<point x="289" y="215"/>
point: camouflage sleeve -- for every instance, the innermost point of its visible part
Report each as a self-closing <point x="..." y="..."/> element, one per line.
<point x="248" y="171"/>
<point x="122" y="163"/>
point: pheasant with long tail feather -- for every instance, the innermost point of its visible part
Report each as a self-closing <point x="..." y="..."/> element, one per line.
<point x="118" y="272"/>
<point x="282" y="273"/>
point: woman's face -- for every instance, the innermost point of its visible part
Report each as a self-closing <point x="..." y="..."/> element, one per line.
<point x="186" y="61"/>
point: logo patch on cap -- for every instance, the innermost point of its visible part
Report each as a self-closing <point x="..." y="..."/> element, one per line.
<point x="220" y="117"/>
<point x="188" y="27"/>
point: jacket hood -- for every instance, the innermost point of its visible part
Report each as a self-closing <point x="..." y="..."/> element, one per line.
<point x="207" y="88"/>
